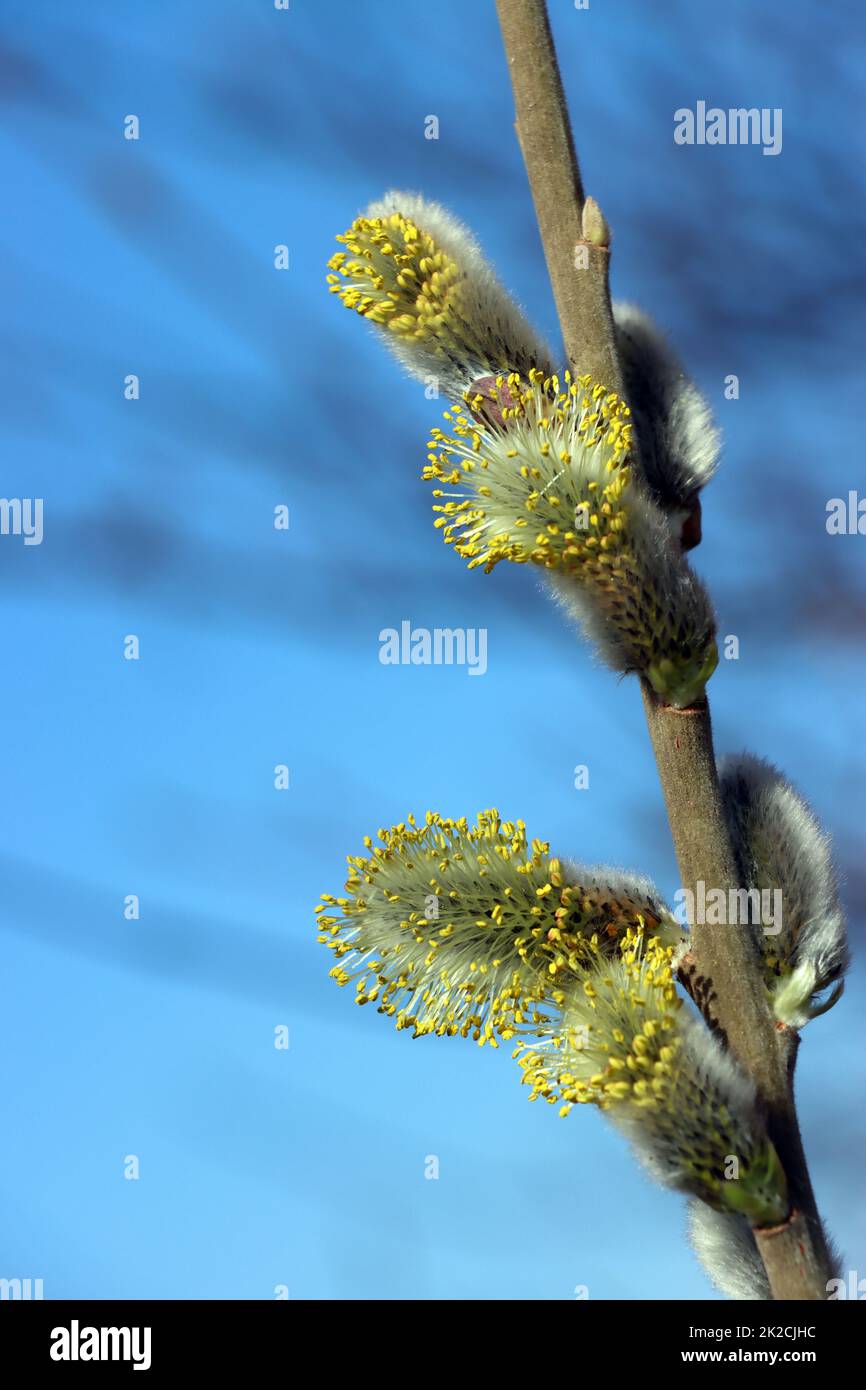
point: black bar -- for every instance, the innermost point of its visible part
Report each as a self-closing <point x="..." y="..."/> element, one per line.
<point x="224" y="1338"/>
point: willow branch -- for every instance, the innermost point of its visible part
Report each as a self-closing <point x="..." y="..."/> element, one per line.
<point x="724" y="959"/>
<point x="573" y="232"/>
<point x="724" y="977"/>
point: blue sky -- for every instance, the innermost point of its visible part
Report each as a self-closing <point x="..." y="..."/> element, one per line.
<point x="154" y="1038"/>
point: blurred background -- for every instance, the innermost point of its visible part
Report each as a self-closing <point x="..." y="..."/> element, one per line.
<point x="305" y="1168"/>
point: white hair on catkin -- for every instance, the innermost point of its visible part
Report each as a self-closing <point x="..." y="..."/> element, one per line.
<point x="725" y="1246"/>
<point x="459" y="928"/>
<point x="679" y="596"/>
<point x="780" y="845"/>
<point x="677" y="438"/>
<point x="504" y="339"/>
<point x="710" y="1072"/>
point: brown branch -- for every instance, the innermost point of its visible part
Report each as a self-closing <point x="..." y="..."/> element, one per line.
<point x="723" y="975"/>
<point x="573" y="232"/>
<point x="724" y="964"/>
<point x="726" y="956"/>
<point x="795" y="1262"/>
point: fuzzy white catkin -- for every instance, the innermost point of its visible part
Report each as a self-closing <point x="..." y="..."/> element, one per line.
<point x="625" y="1041"/>
<point x="679" y="598"/>
<point x="725" y="1246"/>
<point x="710" y="1085"/>
<point x="780" y="845"/>
<point x="499" y="338"/>
<point x="557" y="487"/>
<point x="457" y="916"/>
<point x="677" y="438"/>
